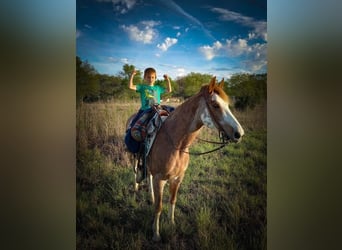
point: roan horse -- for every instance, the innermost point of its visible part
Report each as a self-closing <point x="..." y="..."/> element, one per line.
<point x="169" y="156"/>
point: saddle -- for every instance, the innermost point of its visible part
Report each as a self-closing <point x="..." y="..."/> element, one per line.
<point x="141" y="133"/>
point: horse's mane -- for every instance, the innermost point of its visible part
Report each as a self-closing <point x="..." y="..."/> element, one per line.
<point x="184" y="107"/>
<point x="220" y="92"/>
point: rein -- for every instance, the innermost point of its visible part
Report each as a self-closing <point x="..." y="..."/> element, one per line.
<point x="213" y="142"/>
<point x="203" y="153"/>
<point x="223" y="143"/>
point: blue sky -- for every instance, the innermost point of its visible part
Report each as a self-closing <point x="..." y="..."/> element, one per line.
<point x="175" y="37"/>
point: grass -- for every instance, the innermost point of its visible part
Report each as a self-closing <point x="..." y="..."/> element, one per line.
<point x="221" y="202"/>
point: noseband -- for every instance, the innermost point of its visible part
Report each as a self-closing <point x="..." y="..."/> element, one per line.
<point x="224" y="138"/>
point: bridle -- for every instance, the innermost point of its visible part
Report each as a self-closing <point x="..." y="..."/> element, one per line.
<point x="223" y="136"/>
<point x="224" y="139"/>
<point x="222" y="144"/>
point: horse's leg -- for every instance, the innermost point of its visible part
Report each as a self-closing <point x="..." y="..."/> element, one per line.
<point x="150" y="178"/>
<point x="158" y="186"/>
<point x="135" y="170"/>
<point x="174" y="186"/>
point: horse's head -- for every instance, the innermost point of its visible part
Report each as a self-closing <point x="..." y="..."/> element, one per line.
<point x="217" y="113"/>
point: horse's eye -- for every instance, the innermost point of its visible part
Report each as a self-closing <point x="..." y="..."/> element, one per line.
<point x="215" y="105"/>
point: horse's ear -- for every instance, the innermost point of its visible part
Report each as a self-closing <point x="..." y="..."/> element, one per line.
<point x="212" y="84"/>
<point x="221" y="84"/>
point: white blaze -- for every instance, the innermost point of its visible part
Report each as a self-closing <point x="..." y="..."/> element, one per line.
<point x="228" y="117"/>
<point x="206" y="119"/>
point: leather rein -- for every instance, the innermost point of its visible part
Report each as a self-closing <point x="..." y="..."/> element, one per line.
<point x="224" y="140"/>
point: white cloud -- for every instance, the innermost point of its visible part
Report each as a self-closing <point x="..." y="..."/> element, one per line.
<point x="232" y="48"/>
<point x="143" y="32"/>
<point x="228" y="15"/>
<point x="150" y="23"/>
<point x="112" y="59"/>
<point x="258" y="58"/>
<point x="117" y="60"/>
<point x="254" y="56"/>
<point x="251" y="35"/>
<point x="121" y="6"/>
<point x="124" y="60"/>
<point x="168" y="42"/>
<point x="210" y="52"/>
<point x="254" y="66"/>
<point x="180" y="72"/>
<point x="178" y="34"/>
<point x="259" y="27"/>
<point x="174" y="7"/>
<point x="237" y="47"/>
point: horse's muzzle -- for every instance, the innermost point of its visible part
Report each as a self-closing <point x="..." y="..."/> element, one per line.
<point x="225" y="138"/>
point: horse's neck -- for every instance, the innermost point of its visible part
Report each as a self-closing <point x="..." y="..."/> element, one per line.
<point x="185" y="122"/>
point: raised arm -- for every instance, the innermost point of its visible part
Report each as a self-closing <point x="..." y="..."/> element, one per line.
<point x="169" y="88"/>
<point x="131" y="84"/>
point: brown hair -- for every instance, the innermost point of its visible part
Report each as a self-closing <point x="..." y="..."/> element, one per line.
<point x="150" y="71"/>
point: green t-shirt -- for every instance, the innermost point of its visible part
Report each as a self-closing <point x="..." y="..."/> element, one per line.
<point x="149" y="95"/>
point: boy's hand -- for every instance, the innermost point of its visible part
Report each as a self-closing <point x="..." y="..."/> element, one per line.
<point x="130" y="83"/>
<point x="169" y="88"/>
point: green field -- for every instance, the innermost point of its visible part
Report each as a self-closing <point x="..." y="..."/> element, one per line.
<point x="221" y="202"/>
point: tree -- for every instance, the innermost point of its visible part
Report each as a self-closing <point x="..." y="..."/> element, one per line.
<point x="247" y="89"/>
<point x="127" y="71"/>
<point x="110" y="86"/>
<point x="87" y="84"/>
<point x="191" y="83"/>
<point x="125" y="74"/>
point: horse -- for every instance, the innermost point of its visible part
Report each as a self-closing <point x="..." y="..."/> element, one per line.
<point x="169" y="155"/>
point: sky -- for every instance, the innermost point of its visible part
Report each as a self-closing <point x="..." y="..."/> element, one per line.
<point x="175" y="37"/>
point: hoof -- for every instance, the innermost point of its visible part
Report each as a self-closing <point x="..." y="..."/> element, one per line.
<point x="139" y="176"/>
<point x="156" y="238"/>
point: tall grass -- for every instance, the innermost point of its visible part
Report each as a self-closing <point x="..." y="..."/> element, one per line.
<point x="221" y="202"/>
